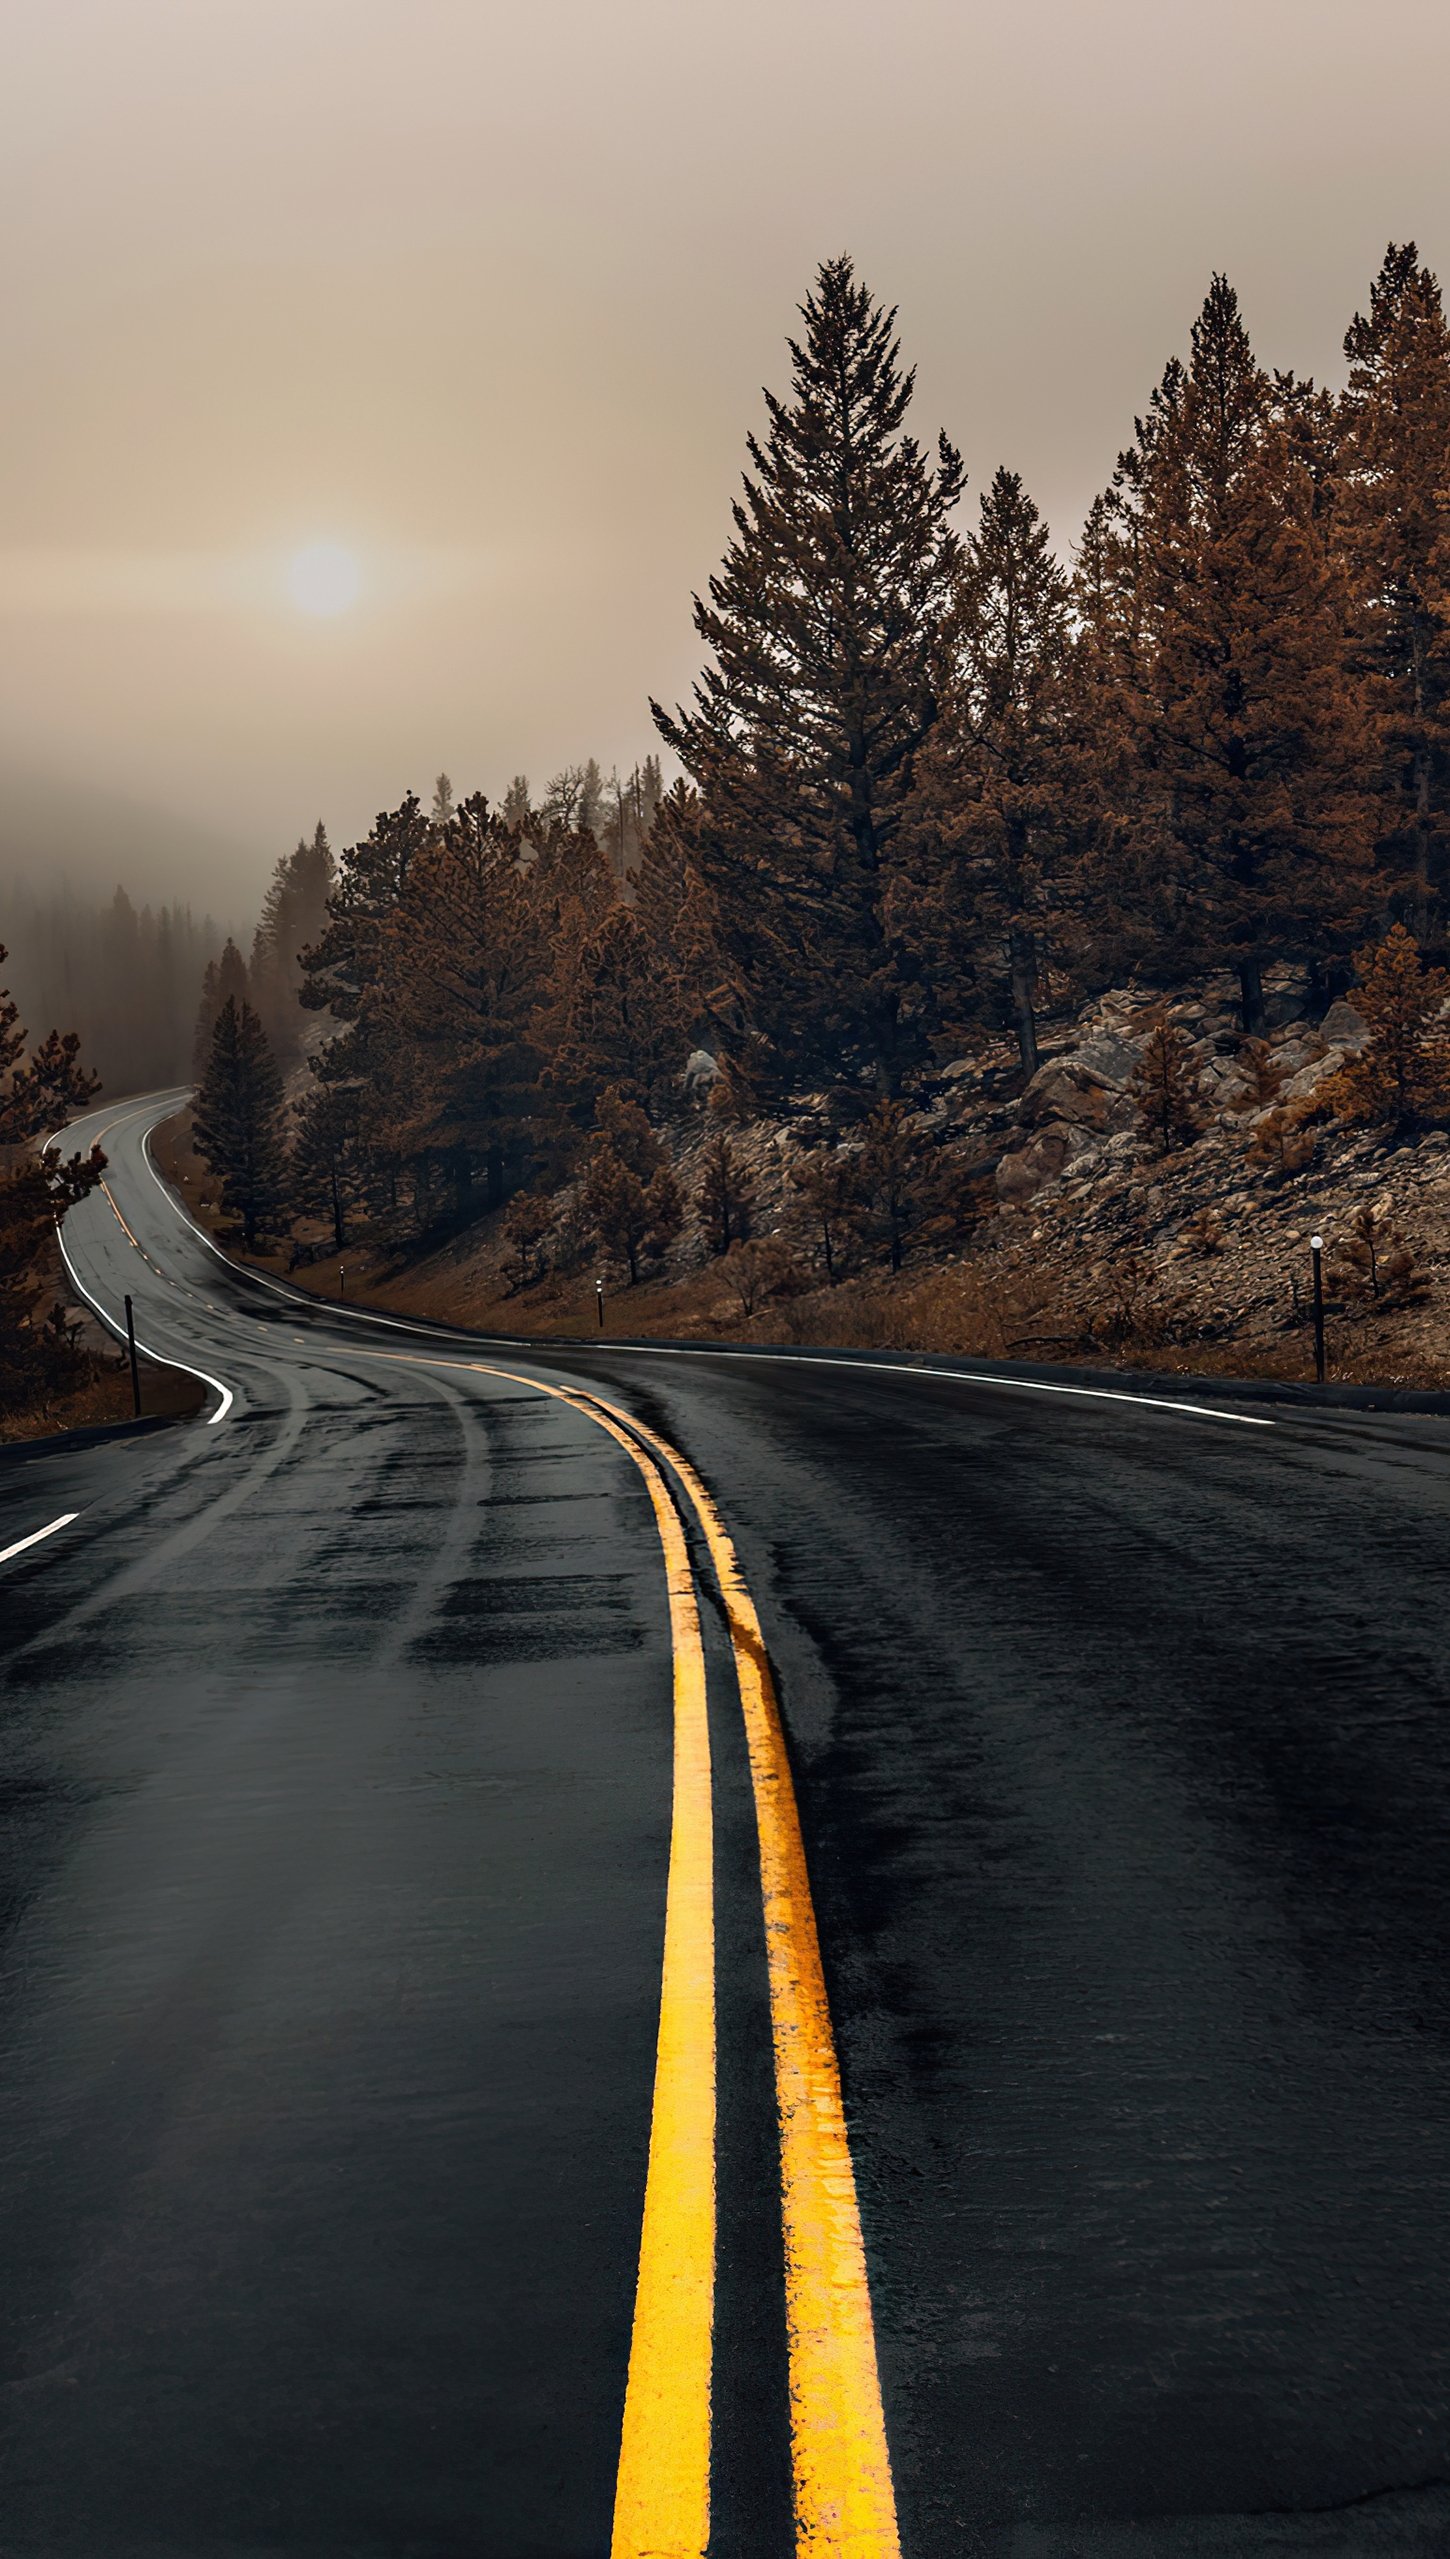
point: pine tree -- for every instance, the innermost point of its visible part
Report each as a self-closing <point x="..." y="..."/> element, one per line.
<point x="829" y="1182"/>
<point x="344" y="962"/>
<point x="39" y="1091"/>
<point x="328" y="1160"/>
<point x="629" y="1197"/>
<point x="518" y="808"/>
<point x="1164" y="1087"/>
<point x="526" y="1227"/>
<point x="903" y="1182"/>
<point x="462" y="978"/>
<point x="1249" y="727"/>
<point x="441" y="813"/>
<point x="987" y="832"/>
<point x="627" y="1023"/>
<point x="237" y="1123"/>
<point x="724" y="1194"/>
<point x="224" y="983"/>
<point x="294" y="915"/>
<point x="1394" y="521"/>
<point x="825" y="623"/>
<point x="1401" y="1076"/>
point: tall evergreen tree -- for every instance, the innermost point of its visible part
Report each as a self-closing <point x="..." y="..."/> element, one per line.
<point x="294" y="915"/>
<point x="224" y="983"/>
<point x="627" y="1023"/>
<point x="1394" y="520"/>
<point x="238" y="1121"/>
<point x="825" y="624"/>
<point x="1249" y="725"/>
<point x="987" y="828"/>
<point x="463" y="977"/>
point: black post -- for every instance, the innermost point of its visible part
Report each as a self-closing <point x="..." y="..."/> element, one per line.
<point x="342" y="1279"/>
<point x="599" y="1301"/>
<point x="135" y="1371"/>
<point x="1316" y="1250"/>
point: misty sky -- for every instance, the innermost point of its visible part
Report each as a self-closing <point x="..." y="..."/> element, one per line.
<point x="485" y="293"/>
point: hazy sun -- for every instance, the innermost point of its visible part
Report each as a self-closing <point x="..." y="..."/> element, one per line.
<point x="324" y="578"/>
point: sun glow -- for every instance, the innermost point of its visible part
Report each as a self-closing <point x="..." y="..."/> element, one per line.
<point x="324" y="578"/>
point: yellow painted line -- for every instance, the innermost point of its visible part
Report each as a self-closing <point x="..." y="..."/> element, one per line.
<point x="662" y="2490"/>
<point x="845" y="2505"/>
<point x="844" y="2501"/>
<point x="125" y="1229"/>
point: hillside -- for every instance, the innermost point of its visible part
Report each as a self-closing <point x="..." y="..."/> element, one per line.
<point x="1078" y="1236"/>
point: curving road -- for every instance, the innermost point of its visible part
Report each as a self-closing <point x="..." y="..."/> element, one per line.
<point x="340" y="1766"/>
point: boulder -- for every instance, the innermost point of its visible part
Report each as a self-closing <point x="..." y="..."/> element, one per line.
<point x="1309" y="1078"/>
<point x="1044" y="1159"/>
<point x="1107" y="1058"/>
<point x="1344" y="1026"/>
<point x="1068" y="1088"/>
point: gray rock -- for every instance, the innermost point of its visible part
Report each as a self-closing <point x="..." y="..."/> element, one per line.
<point x="1044" y="1159"/>
<point x="1345" y="1027"/>
<point x="1067" y="1088"/>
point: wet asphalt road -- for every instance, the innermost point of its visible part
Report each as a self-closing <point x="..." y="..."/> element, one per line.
<point x="335" y="1786"/>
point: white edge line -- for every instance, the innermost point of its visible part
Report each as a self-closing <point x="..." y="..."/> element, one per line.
<point x="36" y="1535"/>
<point x="954" y="1376"/>
<point x="662" y="1350"/>
<point x="162" y="1357"/>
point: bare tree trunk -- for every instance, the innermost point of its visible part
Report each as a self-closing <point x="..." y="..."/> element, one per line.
<point x="1251" y="994"/>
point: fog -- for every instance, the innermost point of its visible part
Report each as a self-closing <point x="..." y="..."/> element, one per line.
<point x="485" y="295"/>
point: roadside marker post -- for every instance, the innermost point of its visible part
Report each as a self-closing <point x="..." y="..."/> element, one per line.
<point x="135" y="1370"/>
<point x="599" y="1301"/>
<point x="1316" y="1252"/>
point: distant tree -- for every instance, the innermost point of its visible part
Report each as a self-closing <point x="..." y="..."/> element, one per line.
<point x="562" y="806"/>
<point x="591" y="801"/>
<point x="724" y="1194"/>
<point x="1401" y="1077"/>
<point x="825" y="624"/>
<point x="441" y="813"/>
<point x="629" y="1197"/>
<point x="237" y="1122"/>
<point x="517" y="807"/>
<point x="1164" y="1087"/>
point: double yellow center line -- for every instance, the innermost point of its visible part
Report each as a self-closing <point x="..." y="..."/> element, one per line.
<point x="844" y="2504"/>
<point x="845" y="2507"/>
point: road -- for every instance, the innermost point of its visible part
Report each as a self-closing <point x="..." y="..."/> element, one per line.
<point x="351" y="1768"/>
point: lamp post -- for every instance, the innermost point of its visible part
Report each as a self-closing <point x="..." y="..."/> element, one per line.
<point x="1316" y="1255"/>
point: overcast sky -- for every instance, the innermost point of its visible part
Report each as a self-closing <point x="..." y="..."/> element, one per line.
<point x="484" y="292"/>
